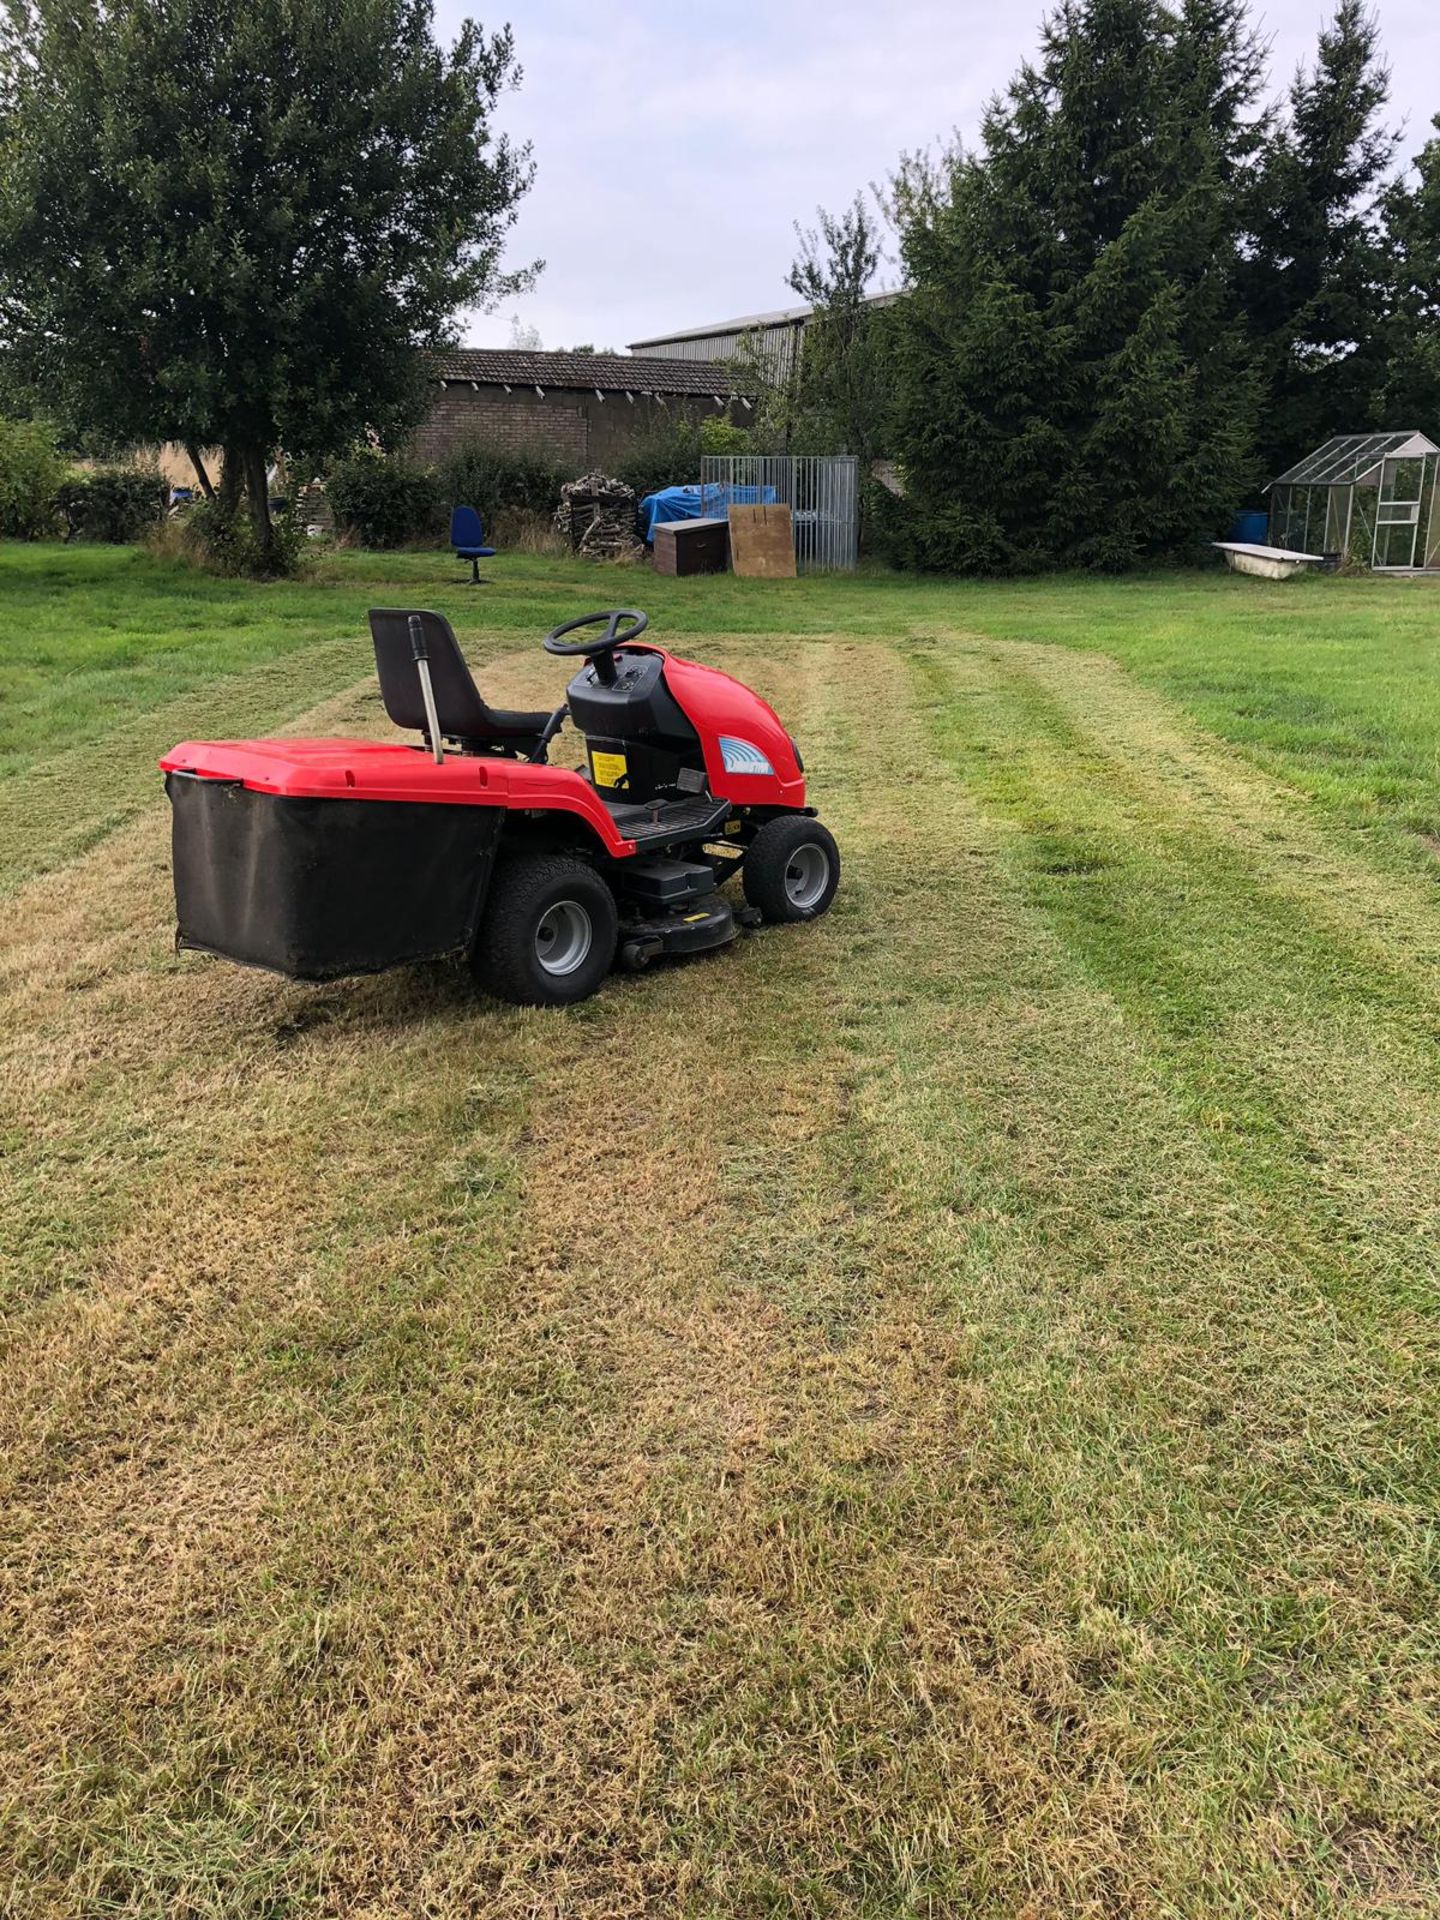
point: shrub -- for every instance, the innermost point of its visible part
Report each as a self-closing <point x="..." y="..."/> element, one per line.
<point x="114" y="504"/>
<point x="719" y="434"/>
<point x="31" y="470"/>
<point x="225" y="543"/>
<point x="384" y="501"/>
<point x="953" y="538"/>
<point x="671" y="458"/>
<point x="496" y="480"/>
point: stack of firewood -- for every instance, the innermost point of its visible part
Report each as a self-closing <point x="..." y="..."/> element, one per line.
<point x="596" y="516"/>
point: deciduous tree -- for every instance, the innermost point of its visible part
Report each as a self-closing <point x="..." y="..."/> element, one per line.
<point x="839" y="399"/>
<point x="242" y="222"/>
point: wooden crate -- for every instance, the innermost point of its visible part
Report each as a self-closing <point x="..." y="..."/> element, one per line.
<point x="692" y="546"/>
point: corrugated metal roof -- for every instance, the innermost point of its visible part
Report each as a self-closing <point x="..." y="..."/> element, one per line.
<point x="1349" y="457"/>
<point x="751" y="322"/>
<point x="584" y="372"/>
<point x="747" y="323"/>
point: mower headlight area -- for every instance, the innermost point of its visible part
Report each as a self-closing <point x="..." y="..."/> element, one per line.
<point x="740" y="756"/>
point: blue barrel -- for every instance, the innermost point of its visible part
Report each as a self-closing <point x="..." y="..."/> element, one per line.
<point x="1253" y="528"/>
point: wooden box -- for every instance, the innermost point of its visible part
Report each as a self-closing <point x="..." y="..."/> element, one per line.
<point x="692" y="546"/>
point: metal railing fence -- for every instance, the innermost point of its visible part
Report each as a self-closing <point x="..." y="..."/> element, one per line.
<point x="821" y="490"/>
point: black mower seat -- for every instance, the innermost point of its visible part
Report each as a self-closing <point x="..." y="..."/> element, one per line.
<point x="462" y="714"/>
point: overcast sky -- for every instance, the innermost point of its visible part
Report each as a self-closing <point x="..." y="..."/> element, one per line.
<point x="676" y="147"/>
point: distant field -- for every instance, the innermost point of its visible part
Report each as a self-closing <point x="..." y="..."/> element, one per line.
<point x="930" y="1414"/>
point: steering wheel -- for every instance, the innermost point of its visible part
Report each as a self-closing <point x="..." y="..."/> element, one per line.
<point x="599" y="649"/>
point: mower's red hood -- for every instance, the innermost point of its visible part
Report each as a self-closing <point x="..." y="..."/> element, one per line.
<point x="749" y="756"/>
<point x="389" y="770"/>
<point x="334" y="769"/>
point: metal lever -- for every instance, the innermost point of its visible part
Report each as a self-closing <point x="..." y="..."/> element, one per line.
<point x="427" y="692"/>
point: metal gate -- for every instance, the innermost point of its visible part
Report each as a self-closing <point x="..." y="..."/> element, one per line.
<point x="822" y="492"/>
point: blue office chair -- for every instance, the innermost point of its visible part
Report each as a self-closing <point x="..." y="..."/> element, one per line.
<point x="467" y="537"/>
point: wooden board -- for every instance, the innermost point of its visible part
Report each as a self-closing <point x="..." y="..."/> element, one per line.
<point x="762" y="542"/>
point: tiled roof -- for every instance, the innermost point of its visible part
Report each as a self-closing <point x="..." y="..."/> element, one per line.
<point x="610" y="372"/>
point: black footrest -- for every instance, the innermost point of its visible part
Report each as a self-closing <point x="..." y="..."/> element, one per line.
<point x="659" y="822"/>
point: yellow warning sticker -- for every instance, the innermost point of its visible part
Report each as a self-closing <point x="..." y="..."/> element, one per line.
<point x="608" y="769"/>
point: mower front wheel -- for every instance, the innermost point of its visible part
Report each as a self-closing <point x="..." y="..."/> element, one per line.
<point x="792" y="868"/>
<point x="549" y="932"/>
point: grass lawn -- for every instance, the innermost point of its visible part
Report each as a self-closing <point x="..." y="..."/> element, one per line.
<point x="929" y="1414"/>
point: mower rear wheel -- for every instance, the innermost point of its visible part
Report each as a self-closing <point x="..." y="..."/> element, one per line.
<point x="548" y="936"/>
<point x="792" y="868"/>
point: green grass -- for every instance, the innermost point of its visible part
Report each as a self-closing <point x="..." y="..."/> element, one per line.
<point x="932" y="1413"/>
<point x="1327" y="681"/>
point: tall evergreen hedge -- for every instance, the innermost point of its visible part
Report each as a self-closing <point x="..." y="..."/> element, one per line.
<point x="1074" y="381"/>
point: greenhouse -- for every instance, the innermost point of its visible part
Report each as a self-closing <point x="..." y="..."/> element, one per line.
<point x="1372" y="499"/>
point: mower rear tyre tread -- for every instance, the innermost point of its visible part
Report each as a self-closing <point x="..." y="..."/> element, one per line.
<point x="522" y="891"/>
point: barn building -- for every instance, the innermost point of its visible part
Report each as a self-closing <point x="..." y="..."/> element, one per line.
<point x="580" y="409"/>
<point x="770" y="340"/>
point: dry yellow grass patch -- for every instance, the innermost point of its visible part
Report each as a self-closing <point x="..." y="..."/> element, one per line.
<point x="836" y="1429"/>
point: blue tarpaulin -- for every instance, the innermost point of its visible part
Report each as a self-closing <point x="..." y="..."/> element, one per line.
<point x="699" y="503"/>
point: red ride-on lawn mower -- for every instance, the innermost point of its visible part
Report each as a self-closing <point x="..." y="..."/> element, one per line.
<point x="324" y="857"/>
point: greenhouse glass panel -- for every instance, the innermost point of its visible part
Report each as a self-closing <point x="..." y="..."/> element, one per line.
<point x="1299" y="509"/>
<point x="1431" y="536"/>
<point x="1403" y="479"/>
<point x="1337" y="511"/>
<point x="1316" y="504"/>
<point x="1360" y="549"/>
<point x="1351" y="456"/>
<point x="1281" y="514"/>
<point x="1395" y="544"/>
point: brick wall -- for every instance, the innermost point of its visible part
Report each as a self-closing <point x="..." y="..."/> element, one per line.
<point x="577" y="430"/>
<point x="518" y="421"/>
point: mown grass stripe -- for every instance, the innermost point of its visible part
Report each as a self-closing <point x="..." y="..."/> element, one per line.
<point x="815" y="1431"/>
<point x="1292" y="1041"/>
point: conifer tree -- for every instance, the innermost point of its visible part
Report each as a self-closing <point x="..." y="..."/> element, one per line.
<point x="1313" y="280"/>
<point x="1071" y="363"/>
<point x="1410" y="387"/>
